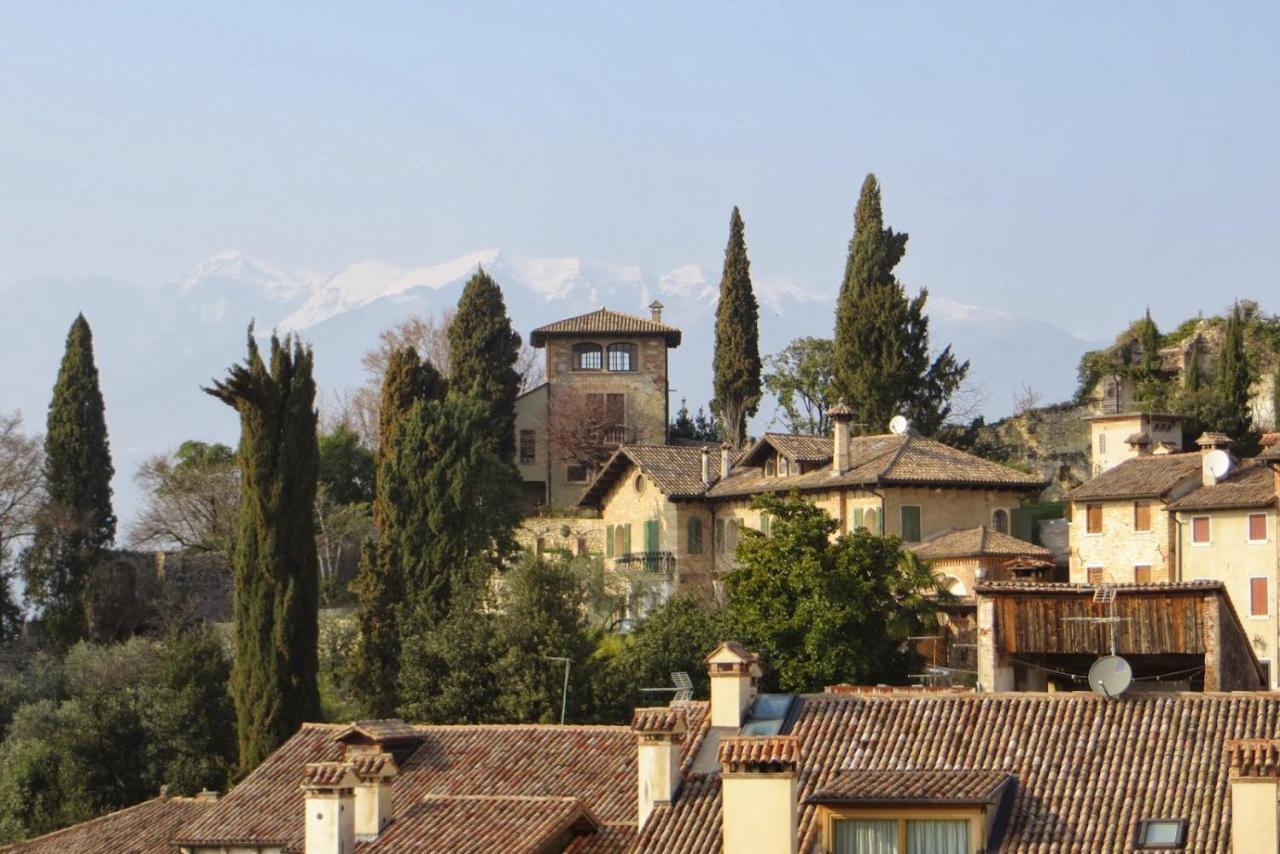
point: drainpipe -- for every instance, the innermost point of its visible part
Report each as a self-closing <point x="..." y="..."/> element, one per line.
<point x="1177" y="547"/>
<point x="880" y="495"/>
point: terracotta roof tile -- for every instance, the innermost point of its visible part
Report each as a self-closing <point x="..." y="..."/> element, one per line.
<point x="759" y="753"/>
<point x="1141" y="477"/>
<point x="676" y="470"/>
<point x="1254" y="757"/>
<point x="609" y="839"/>
<point x="369" y="766"/>
<point x="605" y="322"/>
<point x="481" y="824"/>
<point x="660" y="719"/>
<point x="318" y="775"/>
<point x="1200" y="585"/>
<point x="146" y="828"/>
<point x="1252" y="484"/>
<point x="934" y="786"/>
<point x="976" y="542"/>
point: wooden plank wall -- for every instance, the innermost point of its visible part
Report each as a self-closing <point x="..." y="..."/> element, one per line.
<point x="1151" y="624"/>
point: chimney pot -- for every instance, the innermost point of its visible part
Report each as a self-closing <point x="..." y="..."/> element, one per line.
<point x="659" y="733"/>
<point x="735" y="674"/>
<point x="655" y="311"/>
<point x="725" y="451"/>
<point x="706" y="466"/>
<point x="840" y="415"/>
<point x="1254" y="776"/>
<point x="758" y="793"/>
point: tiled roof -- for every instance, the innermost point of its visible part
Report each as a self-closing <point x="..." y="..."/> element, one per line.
<point x="608" y="839"/>
<point x="977" y="542"/>
<point x="936" y="786"/>
<point x="1253" y="484"/>
<point x="675" y="469"/>
<point x="470" y="824"/>
<point x="385" y="731"/>
<point x="147" y="828"/>
<point x="605" y="322"/>
<point x="327" y="774"/>
<point x="1199" y="585"/>
<point x="1254" y="757"/>
<point x="1141" y="477"/>
<point x="369" y="766"/>
<point x="661" y="719"/>
<point x="804" y="449"/>
<point x="759" y="753"/>
<point x="884" y="460"/>
<point x="1087" y="768"/>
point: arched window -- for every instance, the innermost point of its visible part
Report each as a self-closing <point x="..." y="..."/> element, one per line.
<point x="871" y="521"/>
<point x="1000" y="521"/>
<point x="622" y="357"/>
<point x="954" y="586"/>
<point x="587" y="357"/>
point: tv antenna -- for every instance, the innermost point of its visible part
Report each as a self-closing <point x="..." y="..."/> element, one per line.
<point x="1109" y="676"/>
<point x="682" y="690"/>
<point x="899" y="425"/>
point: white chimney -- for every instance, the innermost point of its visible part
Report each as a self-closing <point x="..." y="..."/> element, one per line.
<point x="374" y="805"/>
<point x="659" y="734"/>
<point x="735" y="674"/>
<point x="725" y="458"/>
<point x="329" y="808"/>
<point x="706" y="466"/>
<point x="758" y="793"/>
<point x="655" y="311"/>
<point x="1255" y="775"/>
<point x="840" y="416"/>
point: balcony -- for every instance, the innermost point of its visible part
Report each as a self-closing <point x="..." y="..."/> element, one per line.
<point x="617" y="434"/>
<point x="663" y="562"/>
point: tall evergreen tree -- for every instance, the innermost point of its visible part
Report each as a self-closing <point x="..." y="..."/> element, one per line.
<point x="483" y="349"/>
<point x="1234" y="378"/>
<point x="77" y="523"/>
<point x="275" y="565"/>
<point x="882" y="338"/>
<point x="380" y="584"/>
<point x="1151" y="391"/>
<point x="737" y="354"/>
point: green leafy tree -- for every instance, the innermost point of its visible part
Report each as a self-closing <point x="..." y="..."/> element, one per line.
<point x="694" y="428"/>
<point x="823" y="611"/>
<point x="882" y="337"/>
<point x="736" y="364"/>
<point x="275" y="565"/>
<point x="448" y="672"/>
<point x="346" y="466"/>
<point x="802" y="378"/>
<point x="483" y="352"/>
<point x="191" y="500"/>
<point x="77" y="523"/>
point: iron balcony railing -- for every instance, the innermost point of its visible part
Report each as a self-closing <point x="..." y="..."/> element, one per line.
<point x="648" y="561"/>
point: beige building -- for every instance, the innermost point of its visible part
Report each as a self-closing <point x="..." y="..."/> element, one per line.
<point x="967" y="556"/>
<point x="1118" y="437"/>
<point x="606" y="387"/>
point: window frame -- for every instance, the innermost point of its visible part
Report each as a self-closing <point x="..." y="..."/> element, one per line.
<point x="770" y="468"/>
<point x="1088" y="519"/>
<point x="1140" y="827"/>
<point x="693" y="535"/>
<point x="1138" y="566"/>
<point x="532" y="456"/>
<point x="899" y="817"/>
<point x="1266" y="597"/>
<point x="1146" y="505"/>
<point x="583" y="348"/>
<point x="996" y="525"/>
<point x="1101" y="569"/>
<point x="1248" y="528"/>
<point x="632" y="353"/>
<point x="572" y="467"/>
<point x="1208" y="526"/>
<point x="919" y="522"/>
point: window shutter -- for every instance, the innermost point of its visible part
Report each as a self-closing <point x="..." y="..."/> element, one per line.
<point x="626" y="539"/>
<point x="1200" y="529"/>
<point x="695" y="536"/>
<point x="1093" y="518"/>
<point x="1142" y="515"/>
<point x="651" y="535"/>
<point x="911" y="524"/>
<point x="857" y="518"/>
<point x="1142" y="574"/>
<point x="1022" y="525"/>
<point x="1257" y="526"/>
<point x="1258" y="597"/>
<point x="718" y="536"/>
<point x="608" y="541"/>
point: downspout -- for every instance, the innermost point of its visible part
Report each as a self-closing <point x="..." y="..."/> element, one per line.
<point x="880" y="495"/>
<point x="1177" y="546"/>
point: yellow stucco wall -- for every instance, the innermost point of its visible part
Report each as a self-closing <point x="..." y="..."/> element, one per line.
<point x="1253" y="817"/>
<point x="760" y="813"/>
<point x="1108" y="445"/>
<point x="1119" y="548"/>
<point x="1231" y="558"/>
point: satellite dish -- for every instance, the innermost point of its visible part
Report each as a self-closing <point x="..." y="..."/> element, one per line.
<point x="1110" y="676"/>
<point x="1218" y="464"/>
<point x="899" y="425"/>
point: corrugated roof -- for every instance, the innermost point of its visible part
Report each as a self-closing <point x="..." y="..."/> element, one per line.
<point x="913" y="787"/>
<point x="146" y="828"/>
<point x="1141" y="477"/>
<point x="976" y="542"/>
<point x="1253" y="484"/>
<point x="1087" y="768"/>
<point x="603" y="321"/>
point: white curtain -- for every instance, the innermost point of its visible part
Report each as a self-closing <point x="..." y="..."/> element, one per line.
<point x="937" y="836"/>
<point x="866" y="836"/>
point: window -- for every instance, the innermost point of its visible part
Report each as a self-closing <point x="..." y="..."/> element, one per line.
<point x="576" y="474"/>
<point x="695" y="536"/>
<point x="582" y="547"/>
<point x="607" y="410"/>
<point x="1093" y="574"/>
<point x="1000" y="521"/>
<point x="1102" y="443"/>
<point x="858" y="518"/>
<point x="769" y="468"/>
<point x="1093" y="518"/>
<point x="784" y="467"/>
<point x="1257" y="527"/>
<point x="1265" y="664"/>
<point x="910" y="524"/>
<point x="1142" y="515"/>
<point x="587" y="357"/>
<point x="1155" y="833"/>
<point x="872" y="521"/>
<point x="608" y="541"/>
<point x="622" y="357"/>
<point x="1200" y="529"/>
<point x="731" y="535"/>
<point x="528" y="446"/>
<point x="1142" y="574"/>
<point x="766" y="524"/>
<point x="901" y="836"/>
<point x="718" y="535"/>
<point x="1258" y="597"/>
<point x="638" y="484"/>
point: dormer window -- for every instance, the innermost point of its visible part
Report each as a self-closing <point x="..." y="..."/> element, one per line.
<point x="588" y="357"/>
<point x="1156" y="834"/>
<point x="902" y="835"/>
<point x="784" y="467"/>
<point x="770" y="468"/>
<point x="622" y="357"/>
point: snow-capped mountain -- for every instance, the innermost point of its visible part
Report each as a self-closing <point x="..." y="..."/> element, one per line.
<point x="157" y="346"/>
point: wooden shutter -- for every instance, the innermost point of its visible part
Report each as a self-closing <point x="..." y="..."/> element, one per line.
<point x="1095" y="574"/>
<point x="1257" y="526"/>
<point x="615" y="413"/>
<point x="1142" y="515"/>
<point x="857" y="518"/>
<point x="1093" y="518"/>
<point x="608" y="541"/>
<point x="1258" y="597"/>
<point x="695" y="536"/>
<point x="1200" y="529"/>
<point x="1142" y="574"/>
<point x="911" y="524"/>
<point x="651" y="535"/>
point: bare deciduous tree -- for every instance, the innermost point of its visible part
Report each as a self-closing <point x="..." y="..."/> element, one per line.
<point x="582" y="429"/>
<point x="21" y="480"/>
<point x="192" y="499"/>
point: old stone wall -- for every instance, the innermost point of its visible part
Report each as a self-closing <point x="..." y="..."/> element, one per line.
<point x="133" y="592"/>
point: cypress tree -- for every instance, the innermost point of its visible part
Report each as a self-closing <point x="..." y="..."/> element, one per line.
<point x="380" y="584"/>
<point x="483" y="349"/>
<point x="275" y="566"/>
<point x="882" y="338"/>
<point x="1234" y="378"/>
<point x="737" y="354"/>
<point x="77" y="523"/>
<point x="1151" y="391"/>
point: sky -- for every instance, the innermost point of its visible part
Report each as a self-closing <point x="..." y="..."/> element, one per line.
<point x="1073" y="161"/>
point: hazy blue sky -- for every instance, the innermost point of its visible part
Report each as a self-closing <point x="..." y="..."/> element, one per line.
<point x="1049" y="158"/>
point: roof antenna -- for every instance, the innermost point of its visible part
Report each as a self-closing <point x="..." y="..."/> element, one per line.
<point x="682" y="691"/>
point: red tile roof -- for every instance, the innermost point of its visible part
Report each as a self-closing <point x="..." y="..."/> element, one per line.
<point x="759" y="753"/>
<point x="976" y="542"/>
<point x="146" y="828"/>
<point x="1254" y="757"/>
<point x="1141" y="477"/>
<point x="1252" y="484"/>
<point x="661" y="719"/>
<point x="319" y="775"/>
<point x="471" y="824"/>
<point x="913" y="787"/>
<point x="605" y="322"/>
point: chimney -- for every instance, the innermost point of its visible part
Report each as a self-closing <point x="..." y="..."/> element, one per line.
<point x="655" y="311"/>
<point x="734" y="673"/>
<point x="659" y="734"/>
<point x="329" y="808"/>
<point x="1255" y="773"/>
<point x="758" y="793"/>
<point x="706" y="466"/>
<point x="1213" y="442"/>
<point x="373" y="805"/>
<point x="725" y="451"/>
<point x="840" y="416"/>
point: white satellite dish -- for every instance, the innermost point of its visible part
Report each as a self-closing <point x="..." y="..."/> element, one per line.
<point x="1218" y="463"/>
<point x="1110" y="676"/>
<point x="899" y="425"/>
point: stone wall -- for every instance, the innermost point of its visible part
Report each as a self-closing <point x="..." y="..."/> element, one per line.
<point x="133" y="592"/>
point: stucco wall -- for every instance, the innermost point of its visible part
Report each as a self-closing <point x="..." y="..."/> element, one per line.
<point x="531" y="414"/>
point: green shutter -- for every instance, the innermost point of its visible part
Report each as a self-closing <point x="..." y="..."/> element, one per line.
<point x="608" y="541"/>
<point x="651" y="535"/>
<point x="626" y="539"/>
<point x="857" y="518"/>
<point x="911" y="524"/>
<point x="1022" y="525"/>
